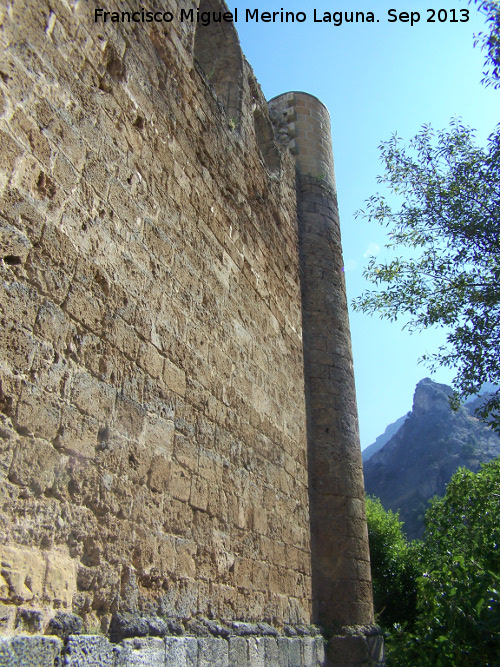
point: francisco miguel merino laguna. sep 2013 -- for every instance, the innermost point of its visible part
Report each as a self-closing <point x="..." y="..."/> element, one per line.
<point x="337" y="18"/>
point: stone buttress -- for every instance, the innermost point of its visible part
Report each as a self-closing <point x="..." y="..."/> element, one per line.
<point x="341" y="577"/>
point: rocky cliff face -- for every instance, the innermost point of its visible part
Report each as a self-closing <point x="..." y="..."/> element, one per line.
<point x="419" y="460"/>
<point x="389" y="432"/>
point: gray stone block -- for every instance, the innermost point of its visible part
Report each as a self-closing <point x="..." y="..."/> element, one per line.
<point x="308" y="652"/>
<point x="29" y="651"/>
<point x="295" y="657"/>
<point x="141" y="652"/>
<point x="212" y="651"/>
<point x="181" y="652"/>
<point x="238" y="652"/>
<point x="64" y="625"/>
<point x="283" y="651"/>
<point x="245" y="629"/>
<point x="348" y="649"/>
<point x="89" y="651"/>
<point x="256" y="656"/>
<point x="267" y="630"/>
<point x="97" y="651"/>
<point x="319" y="645"/>
<point x="376" y="649"/>
<point x="271" y="651"/>
<point x="128" y="625"/>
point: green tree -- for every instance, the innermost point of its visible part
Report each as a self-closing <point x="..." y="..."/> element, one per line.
<point x="490" y="41"/>
<point x="448" y="227"/>
<point x="394" y="565"/>
<point x="458" y="599"/>
<point x="449" y="224"/>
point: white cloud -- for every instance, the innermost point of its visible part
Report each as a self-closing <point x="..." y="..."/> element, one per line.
<point x="372" y="250"/>
<point x="350" y="265"/>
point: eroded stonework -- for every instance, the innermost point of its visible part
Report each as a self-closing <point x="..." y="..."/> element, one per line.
<point x="154" y="439"/>
<point x="152" y="432"/>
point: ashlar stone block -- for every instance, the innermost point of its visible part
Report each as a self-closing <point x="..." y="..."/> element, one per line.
<point x="238" y="651"/>
<point x="308" y="652"/>
<point x="181" y="652"/>
<point x="85" y="650"/>
<point x="295" y="656"/>
<point x="320" y="649"/>
<point x="283" y="652"/>
<point x="256" y="652"/>
<point x="144" y="652"/>
<point x="212" y="651"/>
<point x="271" y="651"/>
<point x="29" y="651"/>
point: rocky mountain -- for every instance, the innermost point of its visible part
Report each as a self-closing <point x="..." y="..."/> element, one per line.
<point x="391" y="430"/>
<point x="417" y="462"/>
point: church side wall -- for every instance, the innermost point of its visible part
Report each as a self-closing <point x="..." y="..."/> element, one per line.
<point x="152" y="437"/>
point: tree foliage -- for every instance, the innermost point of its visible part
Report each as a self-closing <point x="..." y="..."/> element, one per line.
<point x="458" y="593"/>
<point x="458" y="600"/>
<point x="394" y="566"/>
<point x="448" y="228"/>
<point x="449" y="221"/>
<point x="490" y="41"/>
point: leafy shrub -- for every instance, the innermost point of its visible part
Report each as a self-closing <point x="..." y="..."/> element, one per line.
<point x="394" y="566"/>
<point x="458" y="601"/>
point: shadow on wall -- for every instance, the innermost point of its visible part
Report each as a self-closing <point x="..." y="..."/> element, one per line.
<point x="217" y="50"/>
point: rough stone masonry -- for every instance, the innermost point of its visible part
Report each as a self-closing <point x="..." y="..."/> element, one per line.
<point x="180" y="474"/>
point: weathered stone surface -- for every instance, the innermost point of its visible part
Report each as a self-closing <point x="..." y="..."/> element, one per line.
<point x="28" y="620"/>
<point x="295" y="653"/>
<point x="376" y="649"/>
<point x="97" y="651"/>
<point x="245" y="629"/>
<point x="124" y="625"/>
<point x="308" y="652"/>
<point x="7" y="618"/>
<point x="238" y="651"/>
<point x="320" y="649"/>
<point x="283" y="651"/>
<point x="63" y="625"/>
<point x="29" y="651"/>
<point x="271" y="651"/>
<point x="87" y="650"/>
<point x="145" y="652"/>
<point x="154" y="452"/>
<point x="28" y="575"/>
<point x="212" y="651"/>
<point x="364" y="647"/>
<point x="266" y="629"/>
<point x="181" y="651"/>
<point x="256" y="652"/>
<point x="139" y="256"/>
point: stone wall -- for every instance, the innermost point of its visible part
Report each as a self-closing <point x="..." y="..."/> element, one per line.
<point x="153" y="445"/>
<point x="96" y="651"/>
<point x="232" y="651"/>
<point x="175" y="455"/>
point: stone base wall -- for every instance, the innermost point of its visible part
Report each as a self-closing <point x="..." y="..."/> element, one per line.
<point x="93" y="651"/>
<point x="254" y="651"/>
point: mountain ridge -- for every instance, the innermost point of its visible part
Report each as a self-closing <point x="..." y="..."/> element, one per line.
<point x="380" y="441"/>
<point x="418" y="461"/>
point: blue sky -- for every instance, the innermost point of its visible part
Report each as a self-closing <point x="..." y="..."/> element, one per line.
<point x="376" y="79"/>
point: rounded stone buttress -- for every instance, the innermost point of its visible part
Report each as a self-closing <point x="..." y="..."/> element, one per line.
<point x="342" y="594"/>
